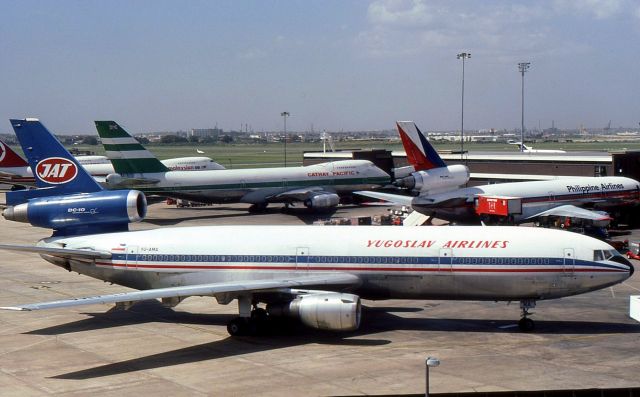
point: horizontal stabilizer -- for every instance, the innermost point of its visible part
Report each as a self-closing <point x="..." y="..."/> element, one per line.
<point x="573" y="212"/>
<point x="393" y="198"/>
<point x="58" y="252"/>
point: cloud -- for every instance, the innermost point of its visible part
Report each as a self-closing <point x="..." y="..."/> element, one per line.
<point x="503" y="29"/>
<point x="600" y="9"/>
<point x="252" y="53"/>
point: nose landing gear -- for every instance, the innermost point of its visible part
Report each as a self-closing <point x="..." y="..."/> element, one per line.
<point x="526" y="324"/>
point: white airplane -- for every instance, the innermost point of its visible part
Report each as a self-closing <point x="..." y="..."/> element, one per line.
<point x="313" y="273"/>
<point x="527" y="149"/>
<point x="317" y="186"/>
<point x="553" y="197"/>
<point x="100" y="166"/>
<point x="14" y="170"/>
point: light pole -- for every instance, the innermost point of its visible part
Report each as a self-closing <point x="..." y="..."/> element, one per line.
<point x="463" y="56"/>
<point x="431" y="362"/>
<point x="523" y="67"/>
<point x="284" y="116"/>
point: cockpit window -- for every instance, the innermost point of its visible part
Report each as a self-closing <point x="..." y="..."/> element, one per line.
<point x="604" y="255"/>
<point x="597" y="256"/>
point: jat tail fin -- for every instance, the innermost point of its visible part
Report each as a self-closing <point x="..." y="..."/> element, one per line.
<point x="127" y="155"/>
<point x="9" y="158"/>
<point x="54" y="168"/>
<point x="420" y="154"/>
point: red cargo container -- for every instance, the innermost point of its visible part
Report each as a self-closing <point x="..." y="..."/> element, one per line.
<point x="498" y="205"/>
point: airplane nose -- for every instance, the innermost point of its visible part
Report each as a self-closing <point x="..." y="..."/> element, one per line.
<point x="624" y="261"/>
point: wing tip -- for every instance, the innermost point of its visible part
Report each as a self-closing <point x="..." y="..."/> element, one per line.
<point x="15" y="308"/>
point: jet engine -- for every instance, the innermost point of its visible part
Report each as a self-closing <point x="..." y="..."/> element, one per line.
<point x="331" y="311"/>
<point x="325" y="200"/>
<point x="104" y="209"/>
<point x="435" y="180"/>
<point x="113" y="180"/>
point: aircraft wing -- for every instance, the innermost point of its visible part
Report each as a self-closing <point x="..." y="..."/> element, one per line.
<point x="80" y="254"/>
<point x="394" y="198"/>
<point x="123" y="182"/>
<point x="316" y="281"/>
<point x="299" y="194"/>
<point x="573" y="212"/>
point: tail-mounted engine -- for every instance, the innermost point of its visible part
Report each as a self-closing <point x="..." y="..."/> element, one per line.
<point x="435" y="180"/>
<point x="84" y="213"/>
<point x="331" y="311"/>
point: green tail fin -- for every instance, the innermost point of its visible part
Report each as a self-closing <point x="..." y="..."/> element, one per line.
<point x="127" y="155"/>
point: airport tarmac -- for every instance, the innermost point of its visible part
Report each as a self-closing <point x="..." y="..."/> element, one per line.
<point x="587" y="341"/>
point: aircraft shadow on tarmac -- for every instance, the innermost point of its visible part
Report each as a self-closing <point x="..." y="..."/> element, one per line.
<point x="304" y="214"/>
<point x="376" y="320"/>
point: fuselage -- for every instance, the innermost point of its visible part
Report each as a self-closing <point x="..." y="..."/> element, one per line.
<point x="264" y="184"/>
<point x="537" y="196"/>
<point x="481" y="263"/>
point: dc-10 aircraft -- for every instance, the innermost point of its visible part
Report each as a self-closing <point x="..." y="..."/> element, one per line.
<point x="317" y="186"/>
<point x="316" y="274"/>
<point x="560" y="196"/>
<point x="14" y="170"/>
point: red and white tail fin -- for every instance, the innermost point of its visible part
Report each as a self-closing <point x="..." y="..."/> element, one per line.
<point x="9" y="158"/>
<point x="420" y="154"/>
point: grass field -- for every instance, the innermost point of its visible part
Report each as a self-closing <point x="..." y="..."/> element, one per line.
<point x="272" y="154"/>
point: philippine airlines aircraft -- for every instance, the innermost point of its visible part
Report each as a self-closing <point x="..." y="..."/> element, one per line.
<point x="317" y="186"/>
<point x="14" y="170"/>
<point x="317" y="274"/>
<point x="559" y="197"/>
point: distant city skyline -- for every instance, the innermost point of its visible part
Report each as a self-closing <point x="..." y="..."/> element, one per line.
<point x="336" y="65"/>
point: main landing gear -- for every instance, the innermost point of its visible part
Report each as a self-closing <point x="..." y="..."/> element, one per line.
<point x="258" y="207"/>
<point x="253" y="320"/>
<point x="526" y="324"/>
<point x="257" y="324"/>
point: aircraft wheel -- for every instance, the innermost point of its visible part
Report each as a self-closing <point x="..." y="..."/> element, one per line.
<point x="259" y="314"/>
<point x="260" y="207"/>
<point x="526" y="324"/>
<point x="237" y="327"/>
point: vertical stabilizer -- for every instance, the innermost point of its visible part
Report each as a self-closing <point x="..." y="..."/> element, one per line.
<point x="53" y="166"/>
<point x="9" y="158"/>
<point x="420" y="154"/>
<point x="127" y="155"/>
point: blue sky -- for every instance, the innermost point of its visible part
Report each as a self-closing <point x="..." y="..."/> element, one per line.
<point x="339" y="65"/>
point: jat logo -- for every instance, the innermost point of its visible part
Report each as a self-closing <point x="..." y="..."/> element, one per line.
<point x="3" y="151"/>
<point x="56" y="170"/>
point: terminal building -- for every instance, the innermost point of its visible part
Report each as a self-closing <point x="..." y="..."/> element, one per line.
<point x="495" y="167"/>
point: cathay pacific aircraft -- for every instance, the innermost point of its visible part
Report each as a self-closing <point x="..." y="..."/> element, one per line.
<point x="317" y="274"/>
<point x="317" y="186"/>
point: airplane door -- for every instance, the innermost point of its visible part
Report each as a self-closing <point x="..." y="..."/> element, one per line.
<point x="569" y="262"/>
<point x="445" y="260"/>
<point x="302" y="258"/>
<point x="132" y="257"/>
<point x="552" y="196"/>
